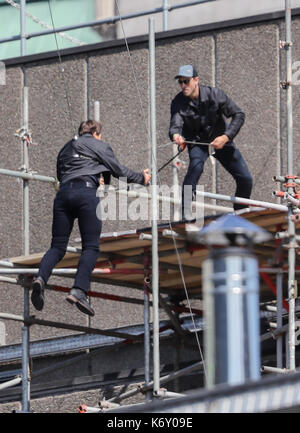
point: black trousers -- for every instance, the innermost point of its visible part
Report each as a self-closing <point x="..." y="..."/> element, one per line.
<point x="74" y="200"/>
<point x="231" y="159"/>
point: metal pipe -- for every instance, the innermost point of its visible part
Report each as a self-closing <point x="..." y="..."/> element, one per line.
<point x="230" y="287"/>
<point x="242" y="200"/>
<point x="23" y="26"/>
<point x="279" y="300"/>
<point x="34" y="321"/>
<point x="165" y="15"/>
<point x="9" y="280"/>
<point x="8" y="316"/>
<point x="163" y="393"/>
<point x="67" y="271"/>
<point x="147" y="320"/>
<point x="26" y="356"/>
<point x="110" y="20"/>
<point x="274" y="369"/>
<point x="174" y="201"/>
<point x="25" y="328"/>
<point x="291" y="224"/>
<point x="97" y="111"/>
<point x="25" y="181"/>
<point x="10" y="383"/>
<point x="164" y="379"/>
<point x="27" y="175"/>
<point x="154" y="208"/>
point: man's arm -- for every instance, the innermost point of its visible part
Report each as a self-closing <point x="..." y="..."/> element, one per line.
<point x="176" y="121"/>
<point x="230" y="109"/>
<point x="176" y="125"/>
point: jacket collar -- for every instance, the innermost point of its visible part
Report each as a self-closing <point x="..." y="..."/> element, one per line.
<point x="203" y="96"/>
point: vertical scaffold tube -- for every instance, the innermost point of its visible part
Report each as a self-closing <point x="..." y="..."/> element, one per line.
<point x="154" y="208"/>
<point x="290" y="168"/>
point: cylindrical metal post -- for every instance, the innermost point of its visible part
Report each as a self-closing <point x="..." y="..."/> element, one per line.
<point x="165" y="15"/>
<point x="97" y="111"/>
<point x="25" y="329"/>
<point x="290" y="156"/>
<point x="279" y="346"/>
<point x="230" y="283"/>
<point x="26" y="168"/>
<point x="154" y="208"/>
<point x="23" y="26"/>
<point x="25" y="356"/>
<point x="146" y="320"/>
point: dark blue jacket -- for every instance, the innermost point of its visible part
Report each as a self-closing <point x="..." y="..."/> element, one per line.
<point x="205" y="121"/>
<point x="87" y="156"/>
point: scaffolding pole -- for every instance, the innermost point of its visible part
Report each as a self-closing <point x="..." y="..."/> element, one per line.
<point x="154" y="208"/>
<point x="291" y="224"/>
<point x="26" y="326"/>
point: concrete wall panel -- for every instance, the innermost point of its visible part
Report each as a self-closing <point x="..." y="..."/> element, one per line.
<point x="248" y="71"/>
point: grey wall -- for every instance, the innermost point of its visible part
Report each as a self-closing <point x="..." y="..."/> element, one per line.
<point x="244" y="60"/>
<point x="203" y="13"/>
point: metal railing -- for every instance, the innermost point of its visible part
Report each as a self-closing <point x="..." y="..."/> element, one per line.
<point x="165" y="9"/>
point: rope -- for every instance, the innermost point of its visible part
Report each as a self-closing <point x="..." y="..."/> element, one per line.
<point x="45" y="25"/>
<point x="62" y="72"/>
<point x="159" y="182"/>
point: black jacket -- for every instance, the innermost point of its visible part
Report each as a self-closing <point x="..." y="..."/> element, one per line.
<point x="88" y="156"/>
<point x="205" y="121"/>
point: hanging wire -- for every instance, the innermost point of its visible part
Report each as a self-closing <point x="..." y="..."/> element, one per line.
<point x="63" y="73"/>
<point x="159" y="182"/>
<point x="45" y="25"/>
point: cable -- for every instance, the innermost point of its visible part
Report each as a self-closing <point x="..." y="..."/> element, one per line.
<point x="159" y="182"/>
<point x="45" y="25"/>
<point x="62" y="72"/>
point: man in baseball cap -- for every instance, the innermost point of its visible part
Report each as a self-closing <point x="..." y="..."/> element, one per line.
<point x="198" y="115"/>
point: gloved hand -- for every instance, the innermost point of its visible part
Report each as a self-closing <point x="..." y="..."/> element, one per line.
<point x="179" y="140"/>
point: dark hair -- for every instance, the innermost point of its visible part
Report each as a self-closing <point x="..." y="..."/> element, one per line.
<point x="90" y="127"/>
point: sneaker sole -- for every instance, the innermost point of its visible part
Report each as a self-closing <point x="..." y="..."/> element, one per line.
<point x="82" y="307"/>
<point x="36" y="298"/>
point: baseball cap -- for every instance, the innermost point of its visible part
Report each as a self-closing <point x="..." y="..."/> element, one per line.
<point x="187" y="71"/>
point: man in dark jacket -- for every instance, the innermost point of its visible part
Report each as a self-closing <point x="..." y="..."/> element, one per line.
<point x="197" y="115"/>
<point x="80" y="163"/>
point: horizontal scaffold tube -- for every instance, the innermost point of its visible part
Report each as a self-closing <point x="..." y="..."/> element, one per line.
<point x="67" y="271"/>
<point x="28" y="176"/>
<point x="241" y="200"/>
<point x="140" y="194"/>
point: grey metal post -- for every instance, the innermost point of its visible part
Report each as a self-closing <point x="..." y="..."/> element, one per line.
<point x="146" y="320"/>
<point x="26" y="168"/>
<point x="97" y="111"/>
<point x="165" y="15"/>
<point x="23" y="26"/>
<point x="279" y="346"/>
<point x="154" y="208"/>
<point x="25" y="329"/>
<point x="291" y="224"/>
<point x="25" y="356"/>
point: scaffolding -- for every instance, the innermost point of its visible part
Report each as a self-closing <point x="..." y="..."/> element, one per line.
<point x="159" y="242"/>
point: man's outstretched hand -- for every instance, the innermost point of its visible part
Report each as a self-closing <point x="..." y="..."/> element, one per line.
<point x="147" y="176"/>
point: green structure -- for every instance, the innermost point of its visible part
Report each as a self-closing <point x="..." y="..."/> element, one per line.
<point x="38" y="19"/>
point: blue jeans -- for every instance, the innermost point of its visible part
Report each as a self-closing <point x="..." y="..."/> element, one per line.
<point x="231" y="159"/>
<point x="74" y="200"/>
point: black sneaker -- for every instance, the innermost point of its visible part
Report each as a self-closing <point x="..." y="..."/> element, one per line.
<point x="79" y="298"/>
<point x="37" y="295"/>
